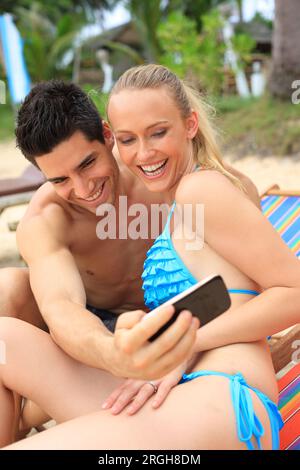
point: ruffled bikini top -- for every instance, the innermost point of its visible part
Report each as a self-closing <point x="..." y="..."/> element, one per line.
<point x="165" y="275"/>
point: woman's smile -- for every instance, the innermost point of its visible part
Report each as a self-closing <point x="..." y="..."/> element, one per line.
<point x="155" y="170"/>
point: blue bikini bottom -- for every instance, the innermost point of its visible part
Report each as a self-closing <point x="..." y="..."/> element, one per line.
<point x="247" y="423"/>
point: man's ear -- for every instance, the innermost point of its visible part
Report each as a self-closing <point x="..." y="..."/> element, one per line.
<point x="192" y="124"/>
<point x="108" y="135"/>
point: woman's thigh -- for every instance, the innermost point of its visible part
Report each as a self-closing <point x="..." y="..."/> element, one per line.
<point x="38" y="369"/>
<point x="196" y="415"/>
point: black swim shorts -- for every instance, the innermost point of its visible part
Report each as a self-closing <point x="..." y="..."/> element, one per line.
<point x="108" y="318"/>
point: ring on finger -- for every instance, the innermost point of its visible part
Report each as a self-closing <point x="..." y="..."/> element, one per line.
<point x="155" y="387"/>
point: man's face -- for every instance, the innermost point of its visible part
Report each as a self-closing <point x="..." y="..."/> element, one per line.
<point x="83" y="172"/>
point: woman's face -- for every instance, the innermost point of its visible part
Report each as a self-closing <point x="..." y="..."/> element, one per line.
<point x="153" y="139"/>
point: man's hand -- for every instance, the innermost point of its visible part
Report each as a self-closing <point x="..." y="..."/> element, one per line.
<point x="133" y="356"/>
<point x="133" y="394"/>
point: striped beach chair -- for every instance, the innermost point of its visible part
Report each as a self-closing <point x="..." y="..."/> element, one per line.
<point x="283" y="211"/>
<point x="282" y="208"/>
<point x="289" y="407"/>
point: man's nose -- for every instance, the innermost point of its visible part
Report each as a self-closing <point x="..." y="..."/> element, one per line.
<point x="82" y="188"/>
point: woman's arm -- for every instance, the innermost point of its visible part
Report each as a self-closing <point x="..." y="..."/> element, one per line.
<point x="274" y="310"/>
<point x="239" y="232"/>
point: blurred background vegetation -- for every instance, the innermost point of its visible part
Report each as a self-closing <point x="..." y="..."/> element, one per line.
<point x="62" y="40"/>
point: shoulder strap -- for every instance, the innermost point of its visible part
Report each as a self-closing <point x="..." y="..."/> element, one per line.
<point x="170" y="215"/>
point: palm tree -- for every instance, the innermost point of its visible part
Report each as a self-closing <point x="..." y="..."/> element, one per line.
<point x="147" y="16"/>
<point x="46" y="43"/>
<point x="286" y="50"/>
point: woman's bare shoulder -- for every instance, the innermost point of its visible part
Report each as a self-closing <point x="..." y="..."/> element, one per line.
<point x="206" y="186"/>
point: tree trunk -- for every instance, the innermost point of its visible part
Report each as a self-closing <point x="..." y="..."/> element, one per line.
<point x="240" y="10"/>
<point x="286" y="48"/>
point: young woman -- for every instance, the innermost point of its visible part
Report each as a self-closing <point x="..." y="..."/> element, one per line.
<point x="231" y="402"/>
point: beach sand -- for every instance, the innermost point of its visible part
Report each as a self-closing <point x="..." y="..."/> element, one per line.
<point x="264" y="171"/>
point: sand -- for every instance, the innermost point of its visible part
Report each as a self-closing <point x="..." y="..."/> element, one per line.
<point x="264" y="171"/>
<point x="12" y="162"/>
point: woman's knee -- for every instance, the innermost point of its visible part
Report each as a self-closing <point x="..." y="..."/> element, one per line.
<point x="15" y="291"/>
<point x="8" y="335"/>
<point x="16" y="297"/>
<point x="10" y="330"/>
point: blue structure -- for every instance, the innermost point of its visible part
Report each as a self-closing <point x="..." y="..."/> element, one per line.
<point x="12" y="45"/>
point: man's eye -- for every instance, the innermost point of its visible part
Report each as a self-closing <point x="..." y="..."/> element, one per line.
<point x="88" y="163"/>
<point x="58" y="181"/>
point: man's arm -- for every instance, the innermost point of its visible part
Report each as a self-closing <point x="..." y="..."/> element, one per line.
<point x="57" y="286"/>
<point x="60" y="295"/>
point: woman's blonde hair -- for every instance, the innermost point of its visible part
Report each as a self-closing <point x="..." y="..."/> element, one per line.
<point x="205" y="148"/>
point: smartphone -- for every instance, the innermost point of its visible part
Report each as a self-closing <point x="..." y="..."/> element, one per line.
<point x="206" y="300"/>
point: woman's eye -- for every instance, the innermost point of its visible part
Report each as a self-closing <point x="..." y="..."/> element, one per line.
<point x="126" y="141"/>
<point x="160" y="133"/>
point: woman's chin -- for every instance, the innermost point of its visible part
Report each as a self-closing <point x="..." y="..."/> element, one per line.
<point x="156" y="185"/>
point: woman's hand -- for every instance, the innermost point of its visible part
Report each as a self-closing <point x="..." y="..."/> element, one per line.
<point x="136" y="393"/>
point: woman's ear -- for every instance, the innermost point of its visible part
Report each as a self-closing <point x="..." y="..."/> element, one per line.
<point x="192" y="125"/>
<point x="108" y="135"/>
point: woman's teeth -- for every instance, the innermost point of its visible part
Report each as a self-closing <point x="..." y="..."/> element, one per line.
<point x="95" y="195"/>
<point x="153" y="170"/>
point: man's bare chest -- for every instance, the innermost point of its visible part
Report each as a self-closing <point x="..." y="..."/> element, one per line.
<point x="111" y="261"/>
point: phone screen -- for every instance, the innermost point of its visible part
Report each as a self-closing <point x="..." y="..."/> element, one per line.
<point x="206" y="302"/>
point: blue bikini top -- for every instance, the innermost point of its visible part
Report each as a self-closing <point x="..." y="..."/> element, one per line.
<point x="165" y="275"/>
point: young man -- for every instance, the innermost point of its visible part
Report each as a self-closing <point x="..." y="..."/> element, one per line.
<point x="80" y="283"/>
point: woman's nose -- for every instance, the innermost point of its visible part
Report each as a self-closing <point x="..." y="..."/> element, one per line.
<point x="145" y="153"/>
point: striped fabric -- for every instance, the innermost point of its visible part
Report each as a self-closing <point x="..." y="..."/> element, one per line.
<point x="284" y="214"/>
<point x="289" y="407"/>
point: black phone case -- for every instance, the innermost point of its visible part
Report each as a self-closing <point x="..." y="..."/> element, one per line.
<point x="206" y="303"/>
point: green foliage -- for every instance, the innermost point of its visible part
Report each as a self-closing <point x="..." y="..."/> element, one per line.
<point x="193" y="9"/>
<point x="201" y="56"/>
<point x="243" y="44"/>
<point x="53" y="10"/>
<point x="188" y="54"/>
<point x="7" y="122"/>
<point x="252" y="126"/>
<point x="98" y="97"/>
<point x="45" y="42"/>
<point x="259" y="18"/>
<point x="147" y="16"/>
<point x="180" y="43"/>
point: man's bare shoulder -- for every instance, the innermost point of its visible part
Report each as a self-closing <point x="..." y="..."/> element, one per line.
<point x="46" y="218"/>
<point x="44" y="200"/>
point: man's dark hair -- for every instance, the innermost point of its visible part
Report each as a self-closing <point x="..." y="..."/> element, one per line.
<point x="51" y="113"/>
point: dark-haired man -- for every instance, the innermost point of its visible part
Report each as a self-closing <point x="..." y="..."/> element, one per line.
<point x="80" y="284"/>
